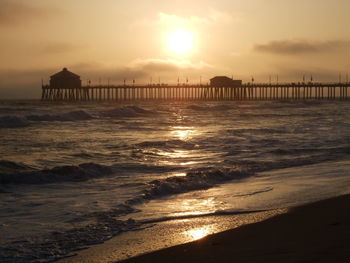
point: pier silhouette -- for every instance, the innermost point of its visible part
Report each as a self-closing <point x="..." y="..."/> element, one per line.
<point x="66" y="86"/>
<point x="248" y="91"/>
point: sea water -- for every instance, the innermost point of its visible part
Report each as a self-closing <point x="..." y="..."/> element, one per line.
<point x="72" y="175"/>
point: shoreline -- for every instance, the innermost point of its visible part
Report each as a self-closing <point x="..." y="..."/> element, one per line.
<point x="315" y="232"/>
<point x="169" y="234"/>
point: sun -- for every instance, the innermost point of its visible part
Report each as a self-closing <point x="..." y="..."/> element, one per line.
<point x="180" y="42"/>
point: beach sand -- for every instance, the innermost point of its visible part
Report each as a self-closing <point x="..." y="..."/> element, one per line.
<point x="317" y="232"/>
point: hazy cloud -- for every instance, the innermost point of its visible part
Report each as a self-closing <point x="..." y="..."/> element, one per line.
<point x="161" y="65"/>
<point x="14" y="12"/>
<point x="213" y="17"/>
<point x="58" y="48"/>
<point x="294" y="47"/>
<point x="170" y="20"/>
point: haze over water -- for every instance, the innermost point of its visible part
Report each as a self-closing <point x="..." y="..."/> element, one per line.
<point x="68" y="170"/>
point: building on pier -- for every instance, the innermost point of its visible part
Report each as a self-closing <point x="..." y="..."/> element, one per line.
<point x="223" y="81"/>
<point x="65" y="80"/>
<point x="65" y="86"/>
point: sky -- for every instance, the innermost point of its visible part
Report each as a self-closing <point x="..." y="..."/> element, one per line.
<point x="113" y="40"/>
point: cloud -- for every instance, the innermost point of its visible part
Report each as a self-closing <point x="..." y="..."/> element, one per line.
<point x="318" y="74"/>
<point x="15" y="12"/>
<point x="59" y="48"/>
<point x="295" y="47"/>
<point x="170" y="20"/>
<point x="166" y="65"/>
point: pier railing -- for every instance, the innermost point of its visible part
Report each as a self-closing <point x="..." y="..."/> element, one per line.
<point x="249" y="91"/>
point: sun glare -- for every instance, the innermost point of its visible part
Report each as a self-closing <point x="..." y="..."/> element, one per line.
<point x="199" y="233"/>
<point x="180" y="42"/>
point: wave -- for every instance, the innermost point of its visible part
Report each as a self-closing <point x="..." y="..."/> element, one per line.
<point x="78" y="115"/>
<point x="194" y="180"/>
<point x="13" y="122"/>
<point x="144" y="168"/>
<point x="282" y="105"/>
<point x="18" y="122"/>
<point x="81" y="172"/>
<point x="255" y="131"/>
<point x="105" y="225"/>
<point x="11" y="167"/>
<point x="16" y="173"/>
<point x="172" y="144"/>
<point x="211" y="108"/>
<point x="58" y="245"/>
<point x="127" y="111"/>
<point x="298" y="151"/>
<point x="287" y="161"/>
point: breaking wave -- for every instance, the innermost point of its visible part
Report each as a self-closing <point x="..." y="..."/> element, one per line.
<point x="104" y="224"/>
<point x="78" y="115"/>
<point x="67" y="173"/>
<point x="194" y="180"/>
<point x="17" y="173"/>
<point x="127" y="111"/>
<point x="13" y="122"/>
<point x="12" y="167"/>
<point x="18" y="122"/>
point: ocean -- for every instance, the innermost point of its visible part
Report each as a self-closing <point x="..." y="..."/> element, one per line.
<point x="74" y="175"/>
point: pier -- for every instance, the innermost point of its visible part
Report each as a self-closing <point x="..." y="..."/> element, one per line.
<point x="243" y="92"/>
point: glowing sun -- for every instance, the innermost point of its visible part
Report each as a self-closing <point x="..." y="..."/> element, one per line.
<point x="180" y="42"/>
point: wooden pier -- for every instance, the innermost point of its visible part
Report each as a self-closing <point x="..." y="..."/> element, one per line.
<point x="245" y="92"/>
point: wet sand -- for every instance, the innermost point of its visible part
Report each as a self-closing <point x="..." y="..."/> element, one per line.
<point x="168" y="234"/>
<point x="317" y="232"/>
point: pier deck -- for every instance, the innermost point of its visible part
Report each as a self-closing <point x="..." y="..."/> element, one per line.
<point x="258" y="91"/>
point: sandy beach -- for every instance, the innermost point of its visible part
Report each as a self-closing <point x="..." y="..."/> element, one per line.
<point x="317" y="232"/>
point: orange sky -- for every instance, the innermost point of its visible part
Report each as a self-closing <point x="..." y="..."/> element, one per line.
<point x="119" y="39"/>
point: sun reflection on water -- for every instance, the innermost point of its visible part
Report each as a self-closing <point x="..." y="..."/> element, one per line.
<point x="198" y="233"/>
<point x="179" y="174"/>
<point x="183" y="132"/>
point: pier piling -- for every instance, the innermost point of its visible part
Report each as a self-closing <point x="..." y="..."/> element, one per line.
<point x="250" y="91"/>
